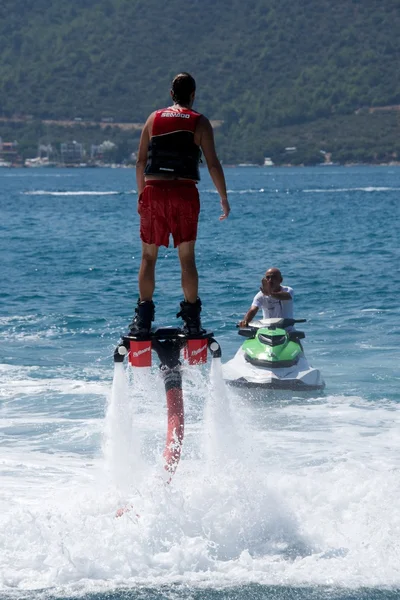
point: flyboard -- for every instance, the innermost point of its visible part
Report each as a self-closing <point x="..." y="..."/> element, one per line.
<point x="168" y="343"/>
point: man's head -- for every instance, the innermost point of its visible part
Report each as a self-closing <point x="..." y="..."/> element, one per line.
<point x="273" y="278"/>
<point x="183" y="89"/>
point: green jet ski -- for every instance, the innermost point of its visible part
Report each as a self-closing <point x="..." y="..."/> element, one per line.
<point x="272" y="357"/>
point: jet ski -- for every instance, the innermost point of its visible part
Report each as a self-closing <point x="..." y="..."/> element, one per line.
<point x="272" y="357"/>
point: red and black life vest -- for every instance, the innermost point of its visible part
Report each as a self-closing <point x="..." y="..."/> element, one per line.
<point x="172" y="149"/>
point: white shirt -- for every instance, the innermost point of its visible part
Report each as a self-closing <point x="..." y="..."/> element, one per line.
<point x="273" y="307"/>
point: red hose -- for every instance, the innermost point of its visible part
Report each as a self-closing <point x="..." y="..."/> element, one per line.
<point x="175" y="431"/>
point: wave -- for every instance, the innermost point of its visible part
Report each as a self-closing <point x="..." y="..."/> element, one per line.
<point x="246" y="191"/>
<point x="41" y="174"/>
<point x="19" y="318"/>
<point x="208" y="191"/>
<point x="355" y="189"/>
<point x="74" y="193"/>
<point x="367" y="189"/>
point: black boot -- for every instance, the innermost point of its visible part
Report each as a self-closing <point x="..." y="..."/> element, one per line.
<point x="190" y="313"/>
<point x="141" y="323"/>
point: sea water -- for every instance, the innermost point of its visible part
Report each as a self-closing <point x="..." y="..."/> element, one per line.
<point x="277" y="495"/>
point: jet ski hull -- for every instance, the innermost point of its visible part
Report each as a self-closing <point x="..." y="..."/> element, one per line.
<point x="301" y="376"/>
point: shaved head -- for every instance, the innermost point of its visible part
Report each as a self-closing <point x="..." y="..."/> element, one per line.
<point x="274" y="272"/>
<point x="272" y="280"/>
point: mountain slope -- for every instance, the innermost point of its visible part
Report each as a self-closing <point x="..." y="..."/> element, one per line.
<point x="258" y="65"/>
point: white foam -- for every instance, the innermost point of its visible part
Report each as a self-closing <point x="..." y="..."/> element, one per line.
<point x="244" y="191"/>
<point x="296" y="492"/>
<point x="20" y="386"/>
<point x="353" y="189"/>
<point x="69" y="193"/>
<point x="18" y="319"/>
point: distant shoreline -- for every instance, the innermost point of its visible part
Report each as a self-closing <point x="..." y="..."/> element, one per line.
<point x="230" y="166"/>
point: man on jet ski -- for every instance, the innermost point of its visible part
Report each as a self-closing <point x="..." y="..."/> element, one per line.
<point x="274" y="299"/>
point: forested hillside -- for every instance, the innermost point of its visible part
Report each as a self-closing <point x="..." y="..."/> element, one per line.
<point x="259" y="65"/>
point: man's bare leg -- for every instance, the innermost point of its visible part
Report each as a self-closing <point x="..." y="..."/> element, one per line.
<point x="147" y="271"/>
<point x="190" y="278"/>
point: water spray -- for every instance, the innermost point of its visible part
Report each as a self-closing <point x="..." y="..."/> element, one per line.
<point x="168" y="343"/>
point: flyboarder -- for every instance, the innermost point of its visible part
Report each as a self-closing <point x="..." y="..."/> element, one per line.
<point x="167" y="171"/>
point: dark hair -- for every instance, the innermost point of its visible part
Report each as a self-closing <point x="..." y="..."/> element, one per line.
<point x="183" y="85"/>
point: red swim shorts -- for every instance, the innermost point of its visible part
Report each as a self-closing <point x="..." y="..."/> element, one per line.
<point x="169" y="207"/>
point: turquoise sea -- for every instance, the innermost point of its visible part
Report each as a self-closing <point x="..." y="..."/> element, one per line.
<point x="282" y="495"/>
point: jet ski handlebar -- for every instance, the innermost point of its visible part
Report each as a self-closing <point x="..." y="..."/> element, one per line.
<point x="297" y="320"/>
<point x="274" y="323"/>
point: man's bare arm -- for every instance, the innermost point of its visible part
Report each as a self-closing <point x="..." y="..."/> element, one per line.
<point x="281" y="295"/>
<point x="207" y="145"/>
<point x="249" y="316"/>
<point x="142" y="155"/>
<point x="266" y="289"/>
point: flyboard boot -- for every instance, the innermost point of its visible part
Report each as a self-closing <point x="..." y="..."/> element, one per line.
<point x="141" y="324"/>
<point x="190" y="314"/>
<point x="195" y="350"/>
